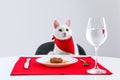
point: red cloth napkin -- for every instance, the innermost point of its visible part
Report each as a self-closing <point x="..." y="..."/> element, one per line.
<point x="39" y="69"/>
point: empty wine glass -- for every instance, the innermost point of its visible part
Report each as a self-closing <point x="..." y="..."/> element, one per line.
<point x="96" y="35"/>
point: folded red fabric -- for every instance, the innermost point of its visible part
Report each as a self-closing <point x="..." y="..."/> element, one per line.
<point x="39" y="69"/>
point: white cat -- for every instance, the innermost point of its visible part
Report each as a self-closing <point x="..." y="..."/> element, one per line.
<point x="64" y="43"/>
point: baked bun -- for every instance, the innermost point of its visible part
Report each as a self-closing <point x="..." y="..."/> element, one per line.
<point x="56" y="60"/>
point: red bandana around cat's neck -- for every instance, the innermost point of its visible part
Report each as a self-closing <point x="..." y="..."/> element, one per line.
<point x="65" y="45"/>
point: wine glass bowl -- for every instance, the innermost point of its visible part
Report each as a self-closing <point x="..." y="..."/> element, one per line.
<point x="96" y="31"/>
<point x="96" y="35"/>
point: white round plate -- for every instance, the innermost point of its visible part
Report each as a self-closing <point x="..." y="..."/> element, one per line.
<point x="46" y="61"/>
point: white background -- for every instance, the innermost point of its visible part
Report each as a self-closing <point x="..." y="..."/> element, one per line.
<point x="25" y="24"/>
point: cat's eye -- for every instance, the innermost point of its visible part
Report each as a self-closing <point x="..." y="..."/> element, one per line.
<point x="67" y="29"/>
<point x="60" y="30"/>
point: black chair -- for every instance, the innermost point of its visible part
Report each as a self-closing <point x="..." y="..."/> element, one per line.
<point x="45" y="48"/>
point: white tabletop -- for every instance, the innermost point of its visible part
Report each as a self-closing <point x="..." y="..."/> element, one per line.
<point x="113" y="64"/>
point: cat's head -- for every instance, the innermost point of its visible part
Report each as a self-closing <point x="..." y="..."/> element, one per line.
<point x="62" y="32"/>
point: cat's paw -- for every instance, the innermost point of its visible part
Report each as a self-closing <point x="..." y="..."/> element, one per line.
<point x="51" y="53"/>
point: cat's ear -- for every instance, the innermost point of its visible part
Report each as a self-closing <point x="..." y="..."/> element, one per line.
<point x="56" y="24"/>
<point x="68" y="22"/>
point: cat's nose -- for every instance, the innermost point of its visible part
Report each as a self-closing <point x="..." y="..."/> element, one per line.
<point x="64" y="33"/>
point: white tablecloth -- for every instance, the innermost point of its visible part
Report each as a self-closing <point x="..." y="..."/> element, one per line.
<point x="113" y="64"/>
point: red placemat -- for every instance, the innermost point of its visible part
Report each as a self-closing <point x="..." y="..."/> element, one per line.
<point x="39" y="69"/>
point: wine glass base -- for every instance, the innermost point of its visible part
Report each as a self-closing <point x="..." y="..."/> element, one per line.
<point x="96" y="71"/>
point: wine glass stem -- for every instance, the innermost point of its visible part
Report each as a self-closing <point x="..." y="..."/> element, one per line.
<point x="96" y="59"/>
